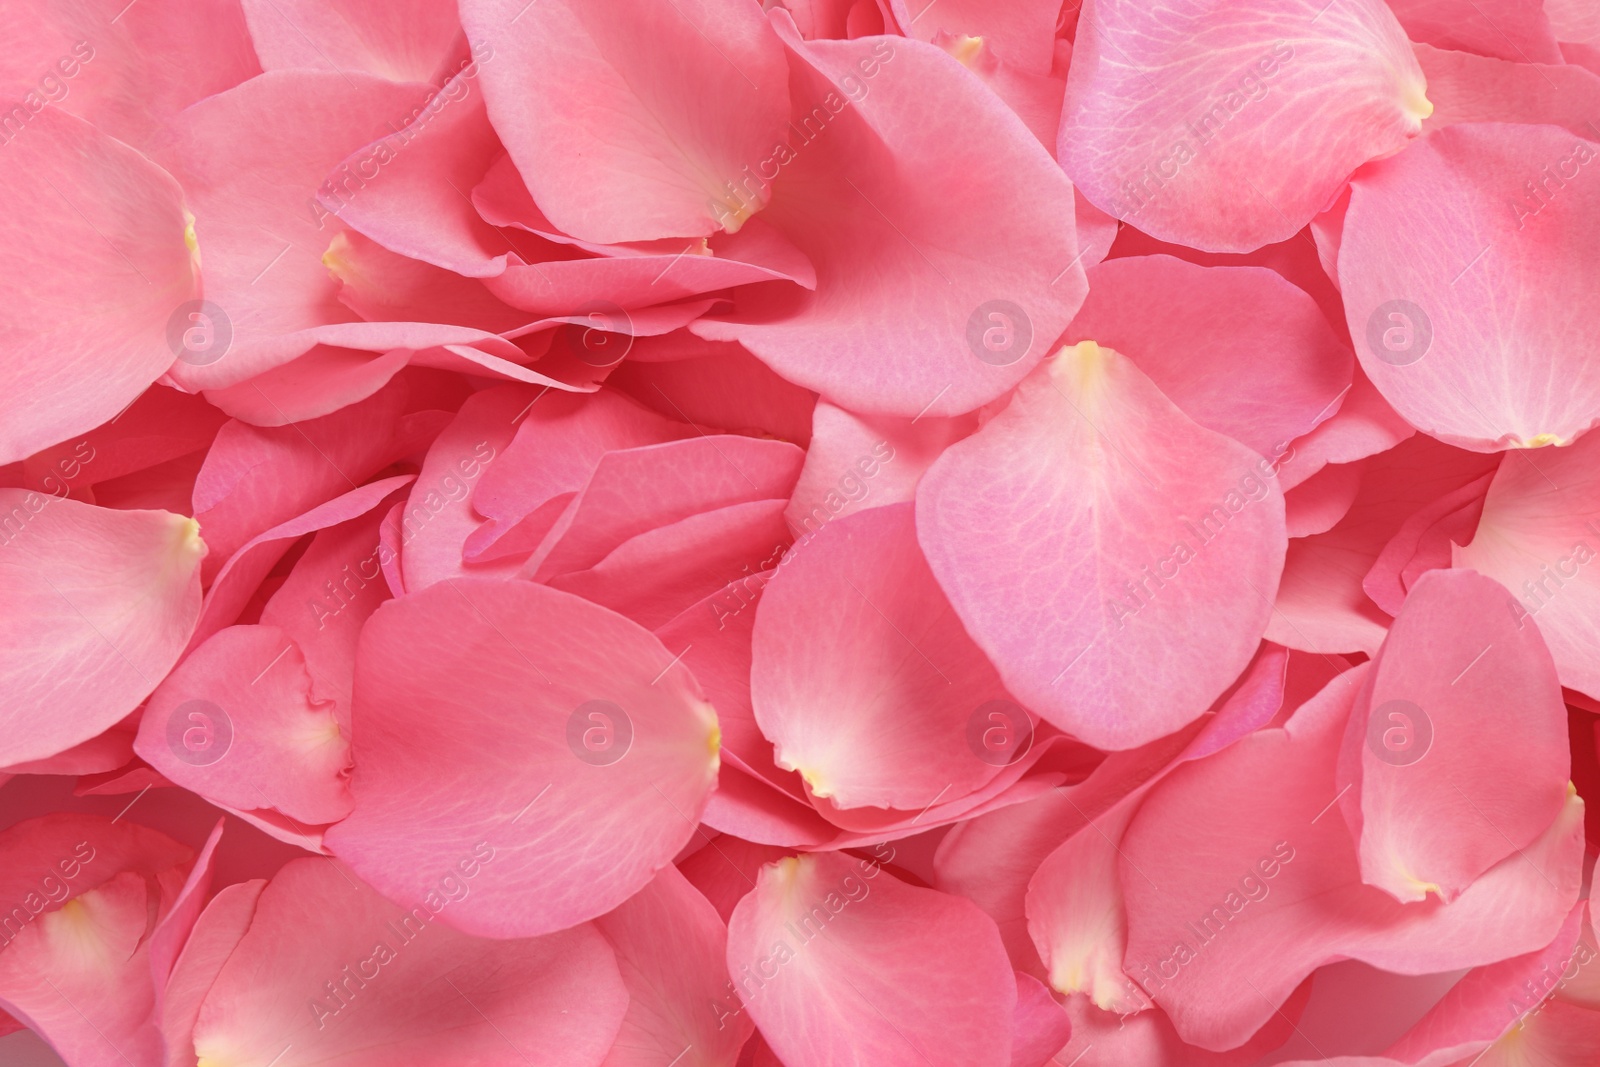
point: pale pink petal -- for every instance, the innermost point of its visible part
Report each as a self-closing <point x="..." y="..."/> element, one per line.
<point x="329" y="972"/>
<point x="1363" y="426"/>
<point x="402" y="40"/>
<point x="1538" y="537"/>
<point x="76" y="966"/>
<point x="1515" y="30"/>
<point x="125" y="70"/>
<point x="863" y="461"/>
<point x="840" y="961"/>
<point x="864" y="678"/>
<point x="216" y="933"/>
<point x="1135" y="520"/>
<point x="1227" y="129"/>
<point x="577" y="701"/>
<point x="1220" y="936"/>
<point x="1238" y="349"/>
<point x="652" y="110"/>
<point x="1441" y="798"/>
<point x="1022" y="34"/>
<point x="236" y="724"/>
<point x="98" y="263"/>
<point x="887" y="134"/>
<point x="1468" y="294"/>
<point x="115" y="594"/>
<point x="672" y="950"/>
<point x="1470" y="88"/>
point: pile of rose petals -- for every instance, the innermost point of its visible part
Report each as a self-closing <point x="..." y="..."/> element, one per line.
<point x="804" y="533"/>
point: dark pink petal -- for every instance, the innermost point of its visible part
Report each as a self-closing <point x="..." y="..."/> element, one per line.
<point x="560" y="687"/>
<point x="1435" y="321"/>
<point x="1042" y="1026"/>
<point x="1322" y="605"/>
<point x="115" y="594"/>
<point x="329" y="972"/>
<point x="1426" y="541"/>
<point x="1227" y="129"/>
<point x="1135" y="519"/>
<point x="552" y="445"/>
<point x="238" y="581"/>
<point x="655" y="576"/>
<point x="838" y="960"/>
